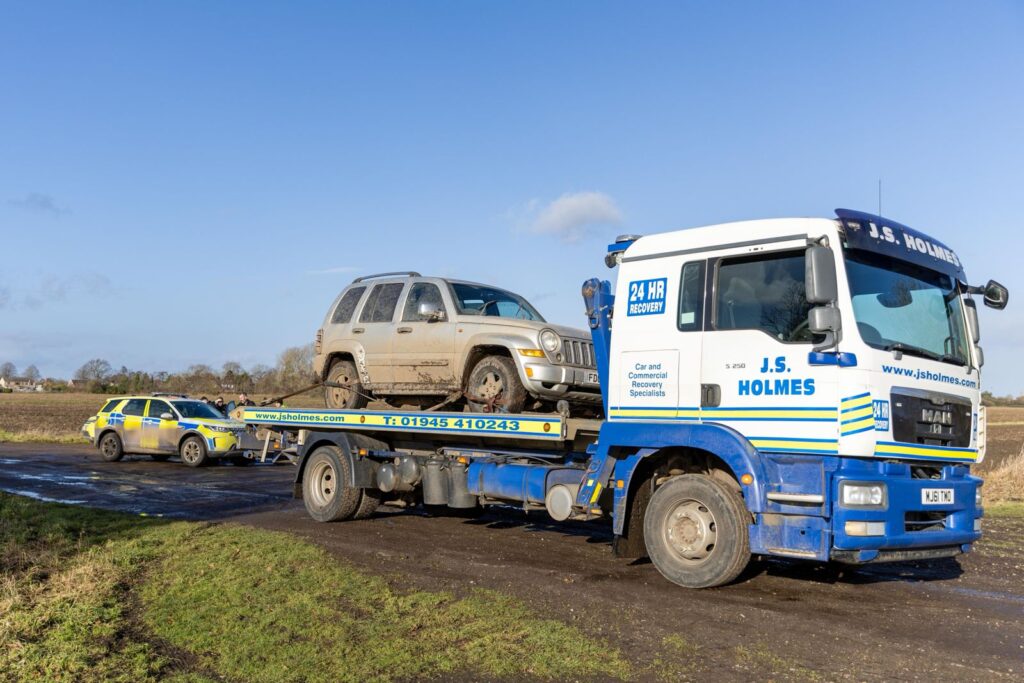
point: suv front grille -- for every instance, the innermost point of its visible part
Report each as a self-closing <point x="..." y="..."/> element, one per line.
<point x="578" y="352"/>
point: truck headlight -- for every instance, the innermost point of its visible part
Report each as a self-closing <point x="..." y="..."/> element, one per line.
<point x="866" y="495"/>
<point x="550" y="340"/>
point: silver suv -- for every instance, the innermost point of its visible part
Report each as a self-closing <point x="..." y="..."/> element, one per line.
<point x="405" y="338"/>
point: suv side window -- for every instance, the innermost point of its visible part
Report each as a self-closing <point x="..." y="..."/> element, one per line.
<point x="422" y="293"/>
<point x="158" y="408"/>
<point x="136" y="406"/>
<point x="111" y="404"/>
<point x="691" y="297"/>
<point x="347" y="306"/>
<point x="380" y="305"/>
<point x="763" y="292"/>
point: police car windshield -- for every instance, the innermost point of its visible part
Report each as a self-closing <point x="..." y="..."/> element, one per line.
<point x="903" y="307"/>
<point x="196" y="409"/>
<point x="480" y="300"/>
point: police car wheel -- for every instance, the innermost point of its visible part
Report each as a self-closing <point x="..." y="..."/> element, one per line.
<point x="326" y="493"/>
<point x="193" y="452"/>
<point x="695" y="529"/>
<point x="494" y="386"/>
<point x="111" y="449"/>
<point x="350" y="397"/>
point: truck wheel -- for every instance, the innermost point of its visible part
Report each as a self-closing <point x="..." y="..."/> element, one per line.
<point x="495" y="379"/>
<point x="111" y="449"/>
<point x="193" y="451"/>
<point x="368" y="503"/>
<point x="351" y="398"/>
<point x="325" y="489"/>
<point x="695" y="529"/>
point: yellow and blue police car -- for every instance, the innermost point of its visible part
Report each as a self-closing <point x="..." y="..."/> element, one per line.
<point x="162" y="426"/>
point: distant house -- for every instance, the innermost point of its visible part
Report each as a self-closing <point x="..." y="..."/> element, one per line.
<point x="19" y="384"/>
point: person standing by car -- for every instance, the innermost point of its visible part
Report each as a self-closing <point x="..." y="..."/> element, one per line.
<point x="244" y="400"/>
<point x="219" y="405"/>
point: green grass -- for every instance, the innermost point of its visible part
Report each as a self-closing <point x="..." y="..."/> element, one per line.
<point x="1004" y="510"/>
<point x="38" y="436"/>
<point x="88" y="595"/>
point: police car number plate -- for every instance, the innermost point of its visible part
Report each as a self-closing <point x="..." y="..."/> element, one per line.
<point x="936" y="496"/>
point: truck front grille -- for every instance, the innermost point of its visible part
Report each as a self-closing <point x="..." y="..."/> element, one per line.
<point x="578" y="352"/>
<point x="925" y="521"/>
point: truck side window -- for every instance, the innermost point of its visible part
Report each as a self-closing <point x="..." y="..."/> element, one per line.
<point x="763" y="292"/>
<point x="347" y="306"/>
<point x="421" y="293"/>
<point x="136" y="406"/>
<point x="691" y="297"/>
<point x="381" y="304"/>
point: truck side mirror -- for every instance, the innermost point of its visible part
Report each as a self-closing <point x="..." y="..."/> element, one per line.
<point x="972" y="320"/>
<point x="429" y="311"/>
<point x="826" y="320"/>
<point x="820" y="276"/>
<point x="996" y="295"/>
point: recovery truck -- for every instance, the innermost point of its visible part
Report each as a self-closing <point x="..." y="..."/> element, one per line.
<point x="802" y="388"/>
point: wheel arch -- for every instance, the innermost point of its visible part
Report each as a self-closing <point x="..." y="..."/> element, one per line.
<point x="645" y="452"/>
<point x="364" y="470"/>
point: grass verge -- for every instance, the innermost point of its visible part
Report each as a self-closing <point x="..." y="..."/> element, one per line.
<point x="40" y="436"/>
<point x="1005" y="484"/>
<point x="88" y="595"/>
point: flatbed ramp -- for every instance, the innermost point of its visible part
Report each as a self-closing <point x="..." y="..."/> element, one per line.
<point x="551" y="428"/>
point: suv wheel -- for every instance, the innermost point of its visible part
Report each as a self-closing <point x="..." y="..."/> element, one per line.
<point x="111" y="449"/>
<point x="193" y="451"/>
<point x="494" y="387"/>
<point x="350" y="397"/>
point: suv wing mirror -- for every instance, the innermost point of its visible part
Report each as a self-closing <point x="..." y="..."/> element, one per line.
<point x="166" y="416"/>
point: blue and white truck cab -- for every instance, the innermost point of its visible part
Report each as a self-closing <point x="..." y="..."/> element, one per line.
<point x="805" y="388"/>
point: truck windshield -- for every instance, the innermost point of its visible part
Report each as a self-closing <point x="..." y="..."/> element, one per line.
<point x="901" y="306"/>
<point x="197" y="409"/>
<point x="480" y="300"/>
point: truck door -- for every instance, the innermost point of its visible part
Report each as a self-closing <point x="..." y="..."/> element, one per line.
<point x="375" y="331"/>
<point x="424" y="342"/>
<point x="755" y="355"/>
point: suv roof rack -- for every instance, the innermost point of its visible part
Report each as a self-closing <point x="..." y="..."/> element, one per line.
<point x="407" y="273"/>
<point x="169" y="393"/>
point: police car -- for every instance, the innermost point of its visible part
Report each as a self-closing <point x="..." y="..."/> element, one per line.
<point x="164" y="426"/>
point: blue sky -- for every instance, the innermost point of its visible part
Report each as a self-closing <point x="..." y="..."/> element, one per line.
<point x="188" y="182"/>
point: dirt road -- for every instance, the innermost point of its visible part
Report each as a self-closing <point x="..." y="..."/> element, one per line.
<point x="782" y="620"/>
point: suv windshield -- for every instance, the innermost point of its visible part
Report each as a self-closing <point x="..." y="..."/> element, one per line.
<point x="196" y="409"/>
<point x="480" y="300"/>
<point x="900" y="306"/>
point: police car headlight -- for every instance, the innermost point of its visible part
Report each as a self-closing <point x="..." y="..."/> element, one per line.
<point x="550" y="341"/>
<point x="217" y="428"/>
<point x="863" y="495"/>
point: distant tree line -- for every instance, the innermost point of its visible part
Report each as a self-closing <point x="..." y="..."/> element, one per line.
<point x="989" y="400"/>
<point x="293" y="371"/>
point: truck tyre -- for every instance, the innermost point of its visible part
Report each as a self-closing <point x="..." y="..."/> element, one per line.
<point x="111" y="449"/>
<point x="351" y="398"/>
<point x="368" y="503"/>
<point x="495" y="378"/>
<point x="193" y="451"/>
<point x="325" y="489"/>
<point x="695" y="530"/>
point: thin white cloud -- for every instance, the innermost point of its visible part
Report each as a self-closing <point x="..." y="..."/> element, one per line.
<point x="38" y="202"/>
<point x="54" y="289"/>
<point x="572" y="216"/>
<point x="332" y="271"/>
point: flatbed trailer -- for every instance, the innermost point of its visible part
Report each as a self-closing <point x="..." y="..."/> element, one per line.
<point x="741" y="420"/>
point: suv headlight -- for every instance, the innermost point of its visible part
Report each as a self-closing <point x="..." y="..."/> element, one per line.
<point x="550" y="341"/>
<point x="217" y="428"/>
<point x="863" y="495"/>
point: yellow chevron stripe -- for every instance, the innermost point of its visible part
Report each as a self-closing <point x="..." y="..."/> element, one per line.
<point x="867" y="411"/>
<point x="860" y="424"/>
<point x="855" y="403"/>
<point x="803" y="445"/>
<point x="924" y="450"/>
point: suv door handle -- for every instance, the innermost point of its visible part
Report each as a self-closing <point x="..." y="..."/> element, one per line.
<point x="358" y="330"/>
<point x="404" y="330"/>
